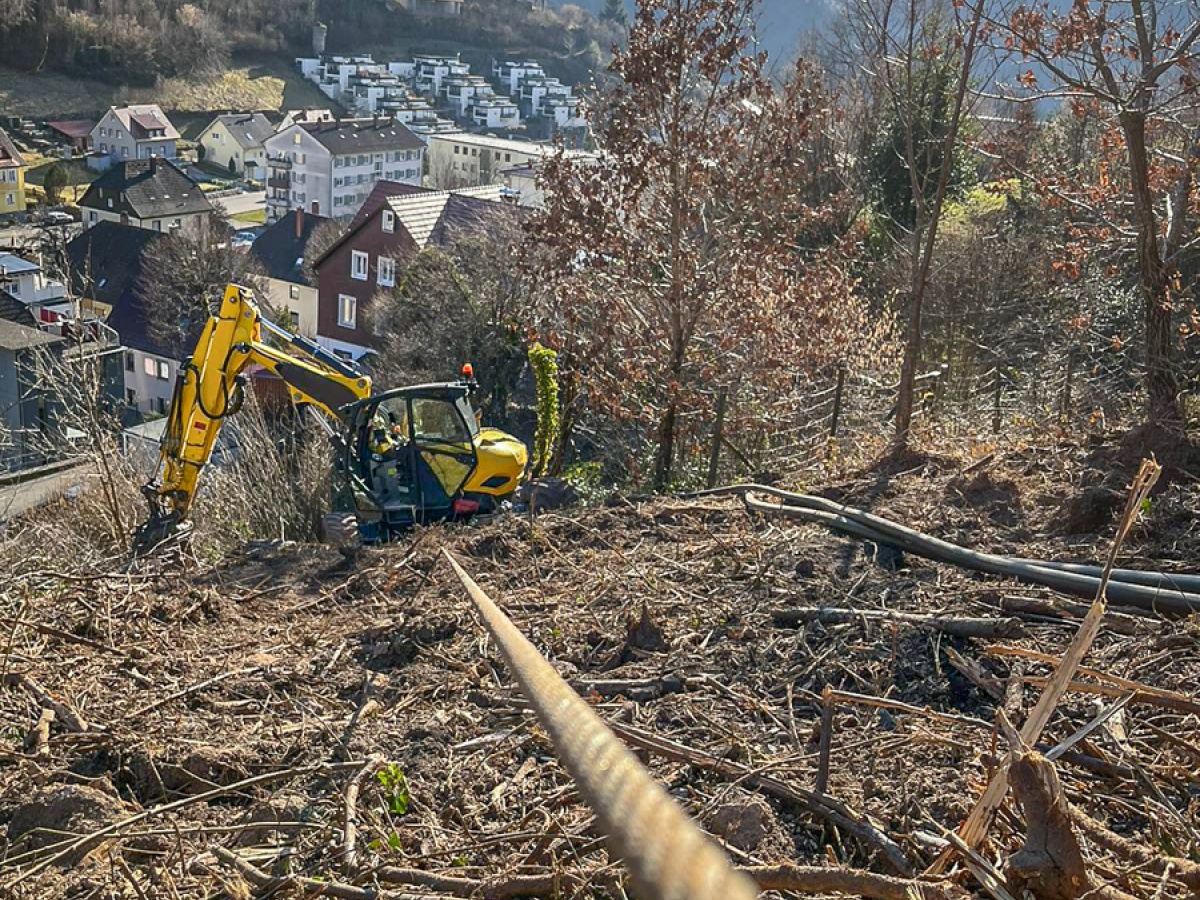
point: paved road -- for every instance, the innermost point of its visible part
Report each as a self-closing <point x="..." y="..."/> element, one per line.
<point x="19" y="498"/>
<point x="242" y="203"/>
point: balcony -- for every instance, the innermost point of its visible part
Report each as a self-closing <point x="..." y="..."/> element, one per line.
<point x="279" y="182"/>
<point x="279" y="162"/>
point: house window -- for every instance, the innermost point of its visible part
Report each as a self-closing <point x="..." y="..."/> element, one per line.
<point x="347" y="310"/>
<point x="389" y="221"/>
<point x="158" y="225"/>
<point x="164" y="370"/>
<point x="160" y="406"/>
<point x="148" y="366"/>
<point x="294" y="319"/>
<point x="294" y="291"/>
<point x="125" y="151"/>
<point x="456" y="149"/>
<point x="131" y="397"/>
<point x="91" y="217"/>
<point x="129" y="367"/>
<point x="359" y="264"/>
<point x="387" y="271"/>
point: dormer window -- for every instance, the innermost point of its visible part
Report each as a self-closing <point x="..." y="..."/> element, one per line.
<point x="389" y="221"/>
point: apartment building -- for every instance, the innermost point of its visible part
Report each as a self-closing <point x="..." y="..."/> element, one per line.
<point x="462" y="160"/>
<point x="329" y="168"/>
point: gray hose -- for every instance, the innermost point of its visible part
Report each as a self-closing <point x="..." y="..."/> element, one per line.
<point x="1150" y="591"/>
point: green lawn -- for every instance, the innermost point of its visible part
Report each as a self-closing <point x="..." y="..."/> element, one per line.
<point x="77" y="172"/>
<point x="253" y="217"/>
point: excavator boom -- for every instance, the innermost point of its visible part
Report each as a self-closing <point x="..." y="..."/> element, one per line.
<point x="210" y="387"/>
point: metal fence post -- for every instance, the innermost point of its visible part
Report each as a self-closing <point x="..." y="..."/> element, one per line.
<point x="996" y="405"/>
<point x="939" y="389"/>
<point x="836" y="417"/>
<point x="714" y="453"/>
<point x="1066" y="395"/>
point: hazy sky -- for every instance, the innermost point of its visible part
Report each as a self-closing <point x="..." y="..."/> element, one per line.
<point x="781" y="22"/>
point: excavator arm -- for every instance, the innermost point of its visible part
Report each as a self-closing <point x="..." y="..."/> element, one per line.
<point x="210" y="387"/>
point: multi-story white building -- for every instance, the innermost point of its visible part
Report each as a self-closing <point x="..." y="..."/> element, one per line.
<point x="132" y="132"/>
<point x="464" y="160"/>
<point x="564" y="112"/>
<point x="495" y="112"/>
<point x="461" y="91"/>
<point x="511" y="72"/>
<point x="429" y="72"/>
<point x="328" y="168"/>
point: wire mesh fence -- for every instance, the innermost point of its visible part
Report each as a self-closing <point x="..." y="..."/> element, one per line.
<point x="844" y="412"/>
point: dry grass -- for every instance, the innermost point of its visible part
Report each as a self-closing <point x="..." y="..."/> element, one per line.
<point x="267" y="84"/>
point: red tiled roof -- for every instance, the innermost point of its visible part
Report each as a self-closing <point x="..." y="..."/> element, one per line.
<point x="73" y="128"/>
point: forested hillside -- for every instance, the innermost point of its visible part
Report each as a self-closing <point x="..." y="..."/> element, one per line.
<point x="137" y="42"/>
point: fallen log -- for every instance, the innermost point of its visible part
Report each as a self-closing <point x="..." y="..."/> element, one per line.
<point x="828" y="880"/>
<point x="504" y="887"/>
<point x="958" y="626"/>
<point x="822" y="805"/>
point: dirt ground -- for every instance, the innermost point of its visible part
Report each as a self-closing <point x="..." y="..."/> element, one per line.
<point x="298" y="664"/>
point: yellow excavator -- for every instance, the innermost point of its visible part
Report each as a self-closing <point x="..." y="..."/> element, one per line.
<point x="412" y="455"/>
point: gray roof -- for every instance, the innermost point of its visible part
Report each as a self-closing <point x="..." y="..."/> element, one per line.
<point x="14" y="310"/>
<point x="248" y="129"/>
<point x="146" y="189"/>
<point x="141" y="119"/>
<point x="363" y="136"/>
<point x="281" y="251"/>
<point x="11" y="264"/>
<point x="21" y="337"/>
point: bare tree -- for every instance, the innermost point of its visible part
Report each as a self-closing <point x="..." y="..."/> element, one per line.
<point x="1135" y="66"/>
<point x="916" y="60"/>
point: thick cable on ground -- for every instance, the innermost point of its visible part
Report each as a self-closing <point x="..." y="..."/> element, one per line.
<point x="1155" y="591"/>
<point x="666" y="853"/>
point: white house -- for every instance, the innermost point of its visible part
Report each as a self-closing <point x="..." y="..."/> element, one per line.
<point x="132" y="132"/>
<point x="25" y="281"/>
<point x="237" y="138"/>
<point x="430" y="71"/>
<point x="495" y="112"/>
<point x="282" y="251"/>
<point x="146" y="193"/>
<point x="511" y="72"/>
<point x="328" y="168"/>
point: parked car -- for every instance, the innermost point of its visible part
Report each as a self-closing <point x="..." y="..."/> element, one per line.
<point x="58" y="217"/>
<point x="243" y="238"/>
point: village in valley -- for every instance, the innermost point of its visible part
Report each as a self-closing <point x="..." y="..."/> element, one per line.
<point x="406" y="155"/>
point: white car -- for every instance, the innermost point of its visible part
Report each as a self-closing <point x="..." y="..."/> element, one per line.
<point x="57" y="217"/>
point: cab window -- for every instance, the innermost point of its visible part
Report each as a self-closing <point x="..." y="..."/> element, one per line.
<point x="438" y="420"/>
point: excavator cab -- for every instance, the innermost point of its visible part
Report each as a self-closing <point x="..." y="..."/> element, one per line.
<point x="419" y="456"/>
